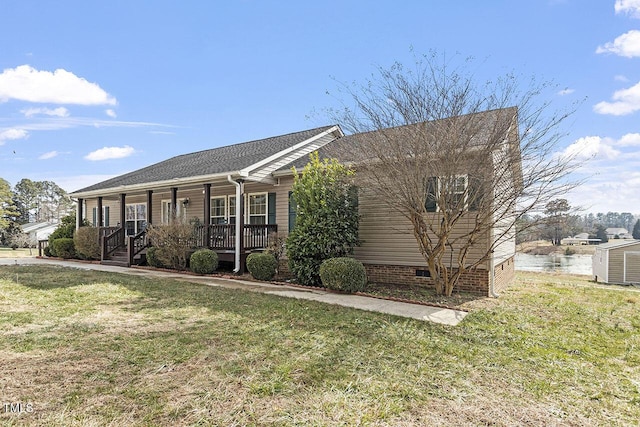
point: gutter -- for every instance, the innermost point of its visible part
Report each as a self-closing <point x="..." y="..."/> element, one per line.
<point x="238" y="225"/>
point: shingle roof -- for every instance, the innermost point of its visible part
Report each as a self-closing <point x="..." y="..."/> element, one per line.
<point x="220" y="160"/>
<point x="348" y="148"/>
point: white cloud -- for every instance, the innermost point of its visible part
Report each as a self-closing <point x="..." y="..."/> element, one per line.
<point x="627" y="45"/>
<point x="107" y="153"/>
<point x="592" y="147"/>
<point x="630" y="7"/>
<point x="566" y="91"/>
<point x="621" y="78"/>
<point x="627" y="101"/>
<point x="56" y="112"/>
<point x="49" y="155"/>
<point x="12" y="134"/>
<point x="629" y="140"/>
<point x="111" y="113"/>
<point x="25" y="83"/>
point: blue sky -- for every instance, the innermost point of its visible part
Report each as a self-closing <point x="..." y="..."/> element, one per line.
<point x="89" y="90"/>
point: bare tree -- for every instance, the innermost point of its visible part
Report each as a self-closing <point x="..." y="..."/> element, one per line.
<point x="461" y="161"/>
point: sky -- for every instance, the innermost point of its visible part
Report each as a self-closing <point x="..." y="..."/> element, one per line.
<point x="90" y="90"/>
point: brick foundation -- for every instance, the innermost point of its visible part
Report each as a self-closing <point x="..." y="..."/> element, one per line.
<point x="474" y="282"/>
<point x="505" y="274"/>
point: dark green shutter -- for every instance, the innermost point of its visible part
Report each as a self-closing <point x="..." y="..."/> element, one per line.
<point x="430" y="203"/>
<point x="292" y="211"/>
<point x="106" y="216"/>
<point x="475" y="193"/>
<point x="95" y="216"/>
<point x="271" y="208"/>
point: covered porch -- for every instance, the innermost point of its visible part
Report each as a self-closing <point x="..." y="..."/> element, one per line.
<point x="119" y="249"/>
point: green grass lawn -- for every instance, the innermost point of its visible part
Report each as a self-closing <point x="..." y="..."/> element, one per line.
<point x="92" y="348"/>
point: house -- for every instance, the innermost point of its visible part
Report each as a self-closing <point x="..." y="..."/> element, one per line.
<point x="617" y="262"/>
<point x="241" y="194"/>
<point x="39" y="230"/>
<point x="618" y="233"/>
<point x="580" y="239"/>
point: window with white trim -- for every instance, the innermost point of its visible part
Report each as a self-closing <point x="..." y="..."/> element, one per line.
<point x="257" y="208"/>
<point x="105" y="217"/>
<point x="460" y="192"/>
<point x="181" y="211"/>
<point x="219" y="210"/>
<point x="135" y="218"/>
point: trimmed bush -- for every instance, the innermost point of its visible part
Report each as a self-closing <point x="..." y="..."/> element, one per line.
<point x="203" y="261"/>
<point x="87" y="242"/>
<point x="64" y="248"/>
<point x="152" y="257"/>
<point x="262" y="266"/>
<point x="47" y="251"/>
<point x="343" y="274"/>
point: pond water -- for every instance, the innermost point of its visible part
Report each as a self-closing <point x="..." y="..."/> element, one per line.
<point x="572" y="264"/>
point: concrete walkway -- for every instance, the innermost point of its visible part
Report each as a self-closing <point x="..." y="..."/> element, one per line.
<point x="415" y="311"/>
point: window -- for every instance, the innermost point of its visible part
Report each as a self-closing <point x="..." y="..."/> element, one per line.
<point x="219" y="210"/>
<point x="105" y="217"/>
<point x="460" y="192"/>
<point x="232" y="209"/>
<point x="135" y="218"/>
<point x="181" y="211"/>
<point x="258" y="208"/>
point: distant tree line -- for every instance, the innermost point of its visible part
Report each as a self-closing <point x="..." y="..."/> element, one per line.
<point x="559" y="220"/>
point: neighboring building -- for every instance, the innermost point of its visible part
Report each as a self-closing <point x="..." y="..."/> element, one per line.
<point x="39" y="230"/>
<point x="241" y="195"/>
<point x="617" y="262"/>
<point x="618" y="233"/>
<point x="580" y="239"/>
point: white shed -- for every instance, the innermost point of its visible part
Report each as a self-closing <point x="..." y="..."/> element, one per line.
<point x="617" y="262"/>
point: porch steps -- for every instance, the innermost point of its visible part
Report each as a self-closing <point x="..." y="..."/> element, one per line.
<point x="121" y="258"/>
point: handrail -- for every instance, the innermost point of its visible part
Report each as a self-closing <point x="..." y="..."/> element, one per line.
<point x="113" y="241"/>
<point x="136" y="245"/>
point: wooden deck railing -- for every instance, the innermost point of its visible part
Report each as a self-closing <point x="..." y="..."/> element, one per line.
<point x="136" y="244"/>
<point x="112" y="241"/>
<point x="223" y="236"/>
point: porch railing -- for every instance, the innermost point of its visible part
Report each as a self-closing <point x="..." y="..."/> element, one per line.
<point x="136" y="244"/>
<point x="112" y="241"/>
<point x="223" y="236"/>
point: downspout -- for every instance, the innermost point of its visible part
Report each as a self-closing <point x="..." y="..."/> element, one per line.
<point x="238" y="227"/>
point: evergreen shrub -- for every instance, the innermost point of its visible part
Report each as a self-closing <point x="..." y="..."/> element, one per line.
<point x="262" y="266"/>
<point x="343" y="274"/>
<point x="203" y="261"/>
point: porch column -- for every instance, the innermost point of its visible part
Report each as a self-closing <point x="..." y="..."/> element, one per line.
<point x="149" y="206"/>
<point x="207" y="213"/>
<point x="174" y="203"/>
<point x="240" y="221"/>
<point x="79" y="213"/>
<point x="123" y="207"/>
<point x="99" y="213"/>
